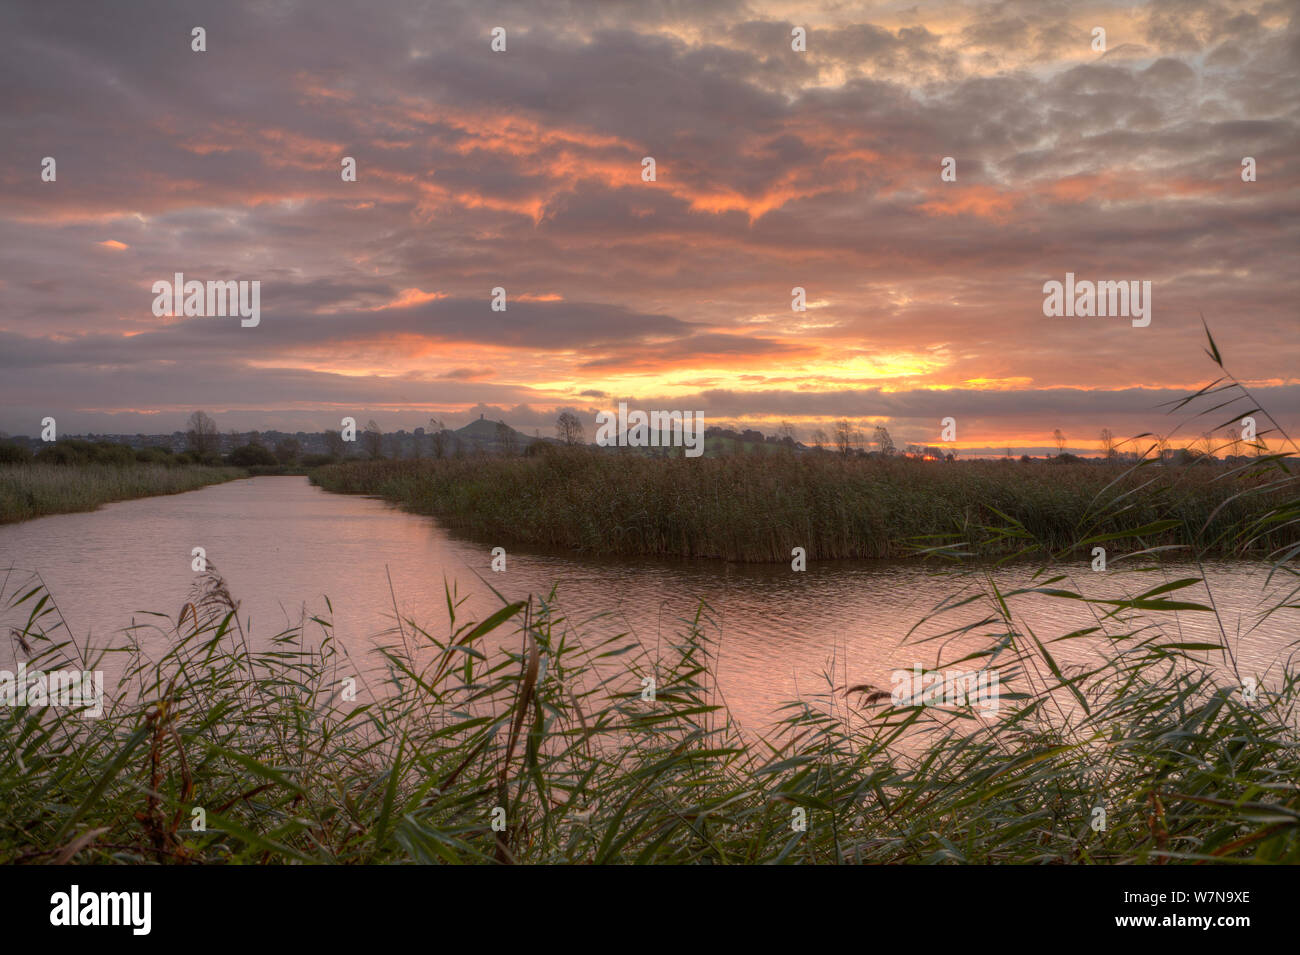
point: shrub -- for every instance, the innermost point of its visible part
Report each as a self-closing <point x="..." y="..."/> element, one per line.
<point x="251" y="455"/>
<point x="11" y="453"/>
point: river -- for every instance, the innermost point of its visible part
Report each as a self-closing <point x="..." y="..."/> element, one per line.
<point x="283" y="546"/>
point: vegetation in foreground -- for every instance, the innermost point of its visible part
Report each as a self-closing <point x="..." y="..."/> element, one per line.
<point x="35" y="490"/>
<point x="215" y="751"/>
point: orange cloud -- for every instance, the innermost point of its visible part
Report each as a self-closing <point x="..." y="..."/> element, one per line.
<point x="1121" y="185"/>
<point x="982" y="201"/>
<point x="995" y="384"/>
<point x="408" y="297"/>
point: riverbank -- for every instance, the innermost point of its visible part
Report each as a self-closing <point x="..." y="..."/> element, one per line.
<point x="36" y="490"/>
<point x="511" y="740"/>
<point x="751" y="509"/>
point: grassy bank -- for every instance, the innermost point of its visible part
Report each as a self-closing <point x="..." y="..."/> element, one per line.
<point x="217" y="752"/>
<point x="746" y="508"/>
<point x="35" y="490"/>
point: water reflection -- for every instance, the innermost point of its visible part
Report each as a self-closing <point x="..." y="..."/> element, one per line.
<point x="283" y="546"/>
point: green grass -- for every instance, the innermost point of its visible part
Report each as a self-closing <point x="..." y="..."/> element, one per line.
<point x="35" y="490"/>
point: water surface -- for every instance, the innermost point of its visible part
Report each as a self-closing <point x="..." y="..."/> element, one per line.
<point x="284" y="546"/>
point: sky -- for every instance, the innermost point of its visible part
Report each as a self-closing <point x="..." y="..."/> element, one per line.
<point x="523" y="170"/>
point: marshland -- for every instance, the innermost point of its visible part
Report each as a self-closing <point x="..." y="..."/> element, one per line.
<point x="77" y="475"/>
<point x="757" y="509"/>
<point x="391" y="722"/>
<point x="357" y="685"/>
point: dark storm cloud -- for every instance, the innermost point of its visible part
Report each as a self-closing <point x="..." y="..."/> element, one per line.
<point x="545" y="325"/>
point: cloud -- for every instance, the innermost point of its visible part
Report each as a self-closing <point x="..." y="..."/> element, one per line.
<point x="523" y="170"/>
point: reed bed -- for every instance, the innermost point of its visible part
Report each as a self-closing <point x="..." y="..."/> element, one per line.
<point x="758" y="508"/>
<point x="751" y="508"/>
<point x="35" y="490"/>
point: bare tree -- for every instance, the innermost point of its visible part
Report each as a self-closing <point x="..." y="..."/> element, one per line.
<point x="1108" y="444"/>
<point x="843" y="436"/>
<point x="439" y="432"/>
<point x="884" y="443"/>
<point x="1234" y="441"/>
<point x="373" y="440"/>
<point x="202" y="436"/>
<point x="568" y="428"/>
<point x="1059" y="438"/>
<point x="819" y="439"/>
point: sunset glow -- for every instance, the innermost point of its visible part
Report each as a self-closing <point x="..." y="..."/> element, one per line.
<point x="524" y="171"/>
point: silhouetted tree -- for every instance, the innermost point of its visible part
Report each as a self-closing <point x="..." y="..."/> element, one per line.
<point x="373" y="440"/>
<point x="251" y="455"/>
<point x="568" y="428"/>
<point x="843" y="436"/>
<point x="202" y="437"/>
<point x="287" y="450"/>
<point x="1234" y="441"/>
<point x="1108" y="444"/>
<point x="439" y="432"/>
